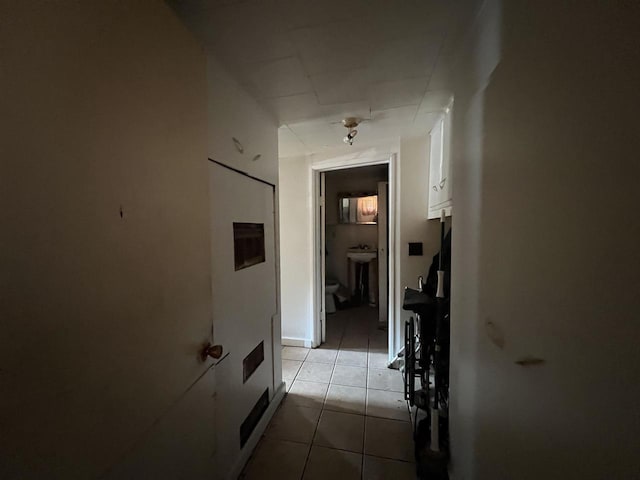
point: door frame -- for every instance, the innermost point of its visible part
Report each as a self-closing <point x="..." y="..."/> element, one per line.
<point x="319" y="234"/>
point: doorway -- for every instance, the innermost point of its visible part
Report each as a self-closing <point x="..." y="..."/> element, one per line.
<point x="354" y="234"/>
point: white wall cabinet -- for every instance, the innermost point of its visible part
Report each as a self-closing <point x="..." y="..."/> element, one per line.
<point x="440" y="194"/>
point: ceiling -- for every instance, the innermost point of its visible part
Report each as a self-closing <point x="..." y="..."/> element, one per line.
<point x="313" y="62"/>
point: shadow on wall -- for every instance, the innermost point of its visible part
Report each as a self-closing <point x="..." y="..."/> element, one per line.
<point x="537" y="169"/>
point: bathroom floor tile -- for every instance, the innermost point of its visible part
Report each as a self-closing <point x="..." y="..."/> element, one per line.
<point x="315" y="372"/>
<point x="376" y="468"/>
<point x="329" y="425"/>
<point x="277" y="459"/>
<point x="349" y="376"/>
<point x="295" y="353"/>
<point x="352" y="358"/>
<point x="294" y="423"/>
<point x="290" y="370"/>
<point x="386" y="379"/>
<point x="354" y="343"/>
<point x="307" y="394"/>
<point x="340" y="430"/>
<point x="379" y="340"/>
<point x="389" y="439"/>
<point x="359" y="332"/>
<point x="332" y="340"/>
<point x="381" y="403"/>
<point x="378" y="360"/>
<point x="341" y="398"/>
<point x="328" y="463"/>
<point x="322" y="355"/>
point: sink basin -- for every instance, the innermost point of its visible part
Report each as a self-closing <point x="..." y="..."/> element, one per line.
<point x="362" y="255"/>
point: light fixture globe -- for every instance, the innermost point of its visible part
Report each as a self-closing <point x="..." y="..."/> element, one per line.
<point x="350" y="123"/>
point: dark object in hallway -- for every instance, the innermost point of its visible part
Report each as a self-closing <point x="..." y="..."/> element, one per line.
<point x="361" y="294"/>
<point x="427" y="341"/>
<point x="431" y="284"/>
<point x="431" y="465"/>
<point x="342" y="304"/>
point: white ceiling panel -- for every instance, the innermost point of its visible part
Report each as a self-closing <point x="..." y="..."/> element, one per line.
<point x="397" y="93"/>
<point x="312" y="63"/>
<point x="336" y="46"/>
<point x="341" y="87"/>
<point x="335" y="113"/>
<point x="435" y="101"/>
<point x="397" y="114"/>
<point x="316" y="132"/>
<point x="413" y="17"/>
<point x="311" y="13"/>
<point x="240" y="31"/>
<point x="289" y="145"/>
<point x="295" y="108"/>
<point x="402" y="58"/>
<point x="441" y="76"/>
<point x="298" y="108"/>
<point x="278" y="78"/>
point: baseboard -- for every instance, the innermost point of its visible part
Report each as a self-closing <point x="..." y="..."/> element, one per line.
<point x="296" y="342"/>
<point x="251" y="444"/>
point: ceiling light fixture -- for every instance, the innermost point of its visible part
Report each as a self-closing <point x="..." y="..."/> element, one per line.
<point x="350" y="123"/>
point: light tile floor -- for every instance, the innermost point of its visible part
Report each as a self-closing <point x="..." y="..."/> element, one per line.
<point x="344" y="416"/>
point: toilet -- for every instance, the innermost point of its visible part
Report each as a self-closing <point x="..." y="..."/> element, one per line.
<point x="330" y="287"/>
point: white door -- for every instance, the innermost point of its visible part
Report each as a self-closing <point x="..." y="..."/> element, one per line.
<point x="323" y="266"/>
<point x="383" y="253"/>
<point x="244" y="300"/>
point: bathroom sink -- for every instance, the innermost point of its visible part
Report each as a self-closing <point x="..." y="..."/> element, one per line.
<point x="361" y="255"/>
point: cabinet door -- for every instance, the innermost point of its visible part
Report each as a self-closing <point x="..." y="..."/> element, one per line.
<point x="435" y="166"/>
<point x="445" y="165"/>
<point x="440" y="194"/>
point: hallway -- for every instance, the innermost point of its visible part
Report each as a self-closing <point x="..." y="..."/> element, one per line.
<point x="344" y="415"/>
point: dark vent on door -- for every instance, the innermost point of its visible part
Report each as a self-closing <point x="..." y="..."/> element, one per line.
<point x="248" y="244"/>
<point x="252" y="361"/>
<point x="254" y="417"/>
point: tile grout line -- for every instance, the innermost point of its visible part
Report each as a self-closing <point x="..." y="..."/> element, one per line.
<point x="345" y="333"/>
<point x="366" y="404"/>
<point x="323" y="409"/>
<point x="306" y="462"/>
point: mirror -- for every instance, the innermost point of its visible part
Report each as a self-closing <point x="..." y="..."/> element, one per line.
<point x="360" y="209"/>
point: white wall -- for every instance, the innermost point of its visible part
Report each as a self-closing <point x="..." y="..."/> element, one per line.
<point x="296" y="240"/>
<point x="414" y="226"/>
<point x="234" y="113"/>
<point x="103" y="312"/>
<point x="545" y="244"/>
<point x="105" y="278"/>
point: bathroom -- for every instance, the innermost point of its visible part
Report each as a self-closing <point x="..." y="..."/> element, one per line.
<point x="356" y="232"/>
